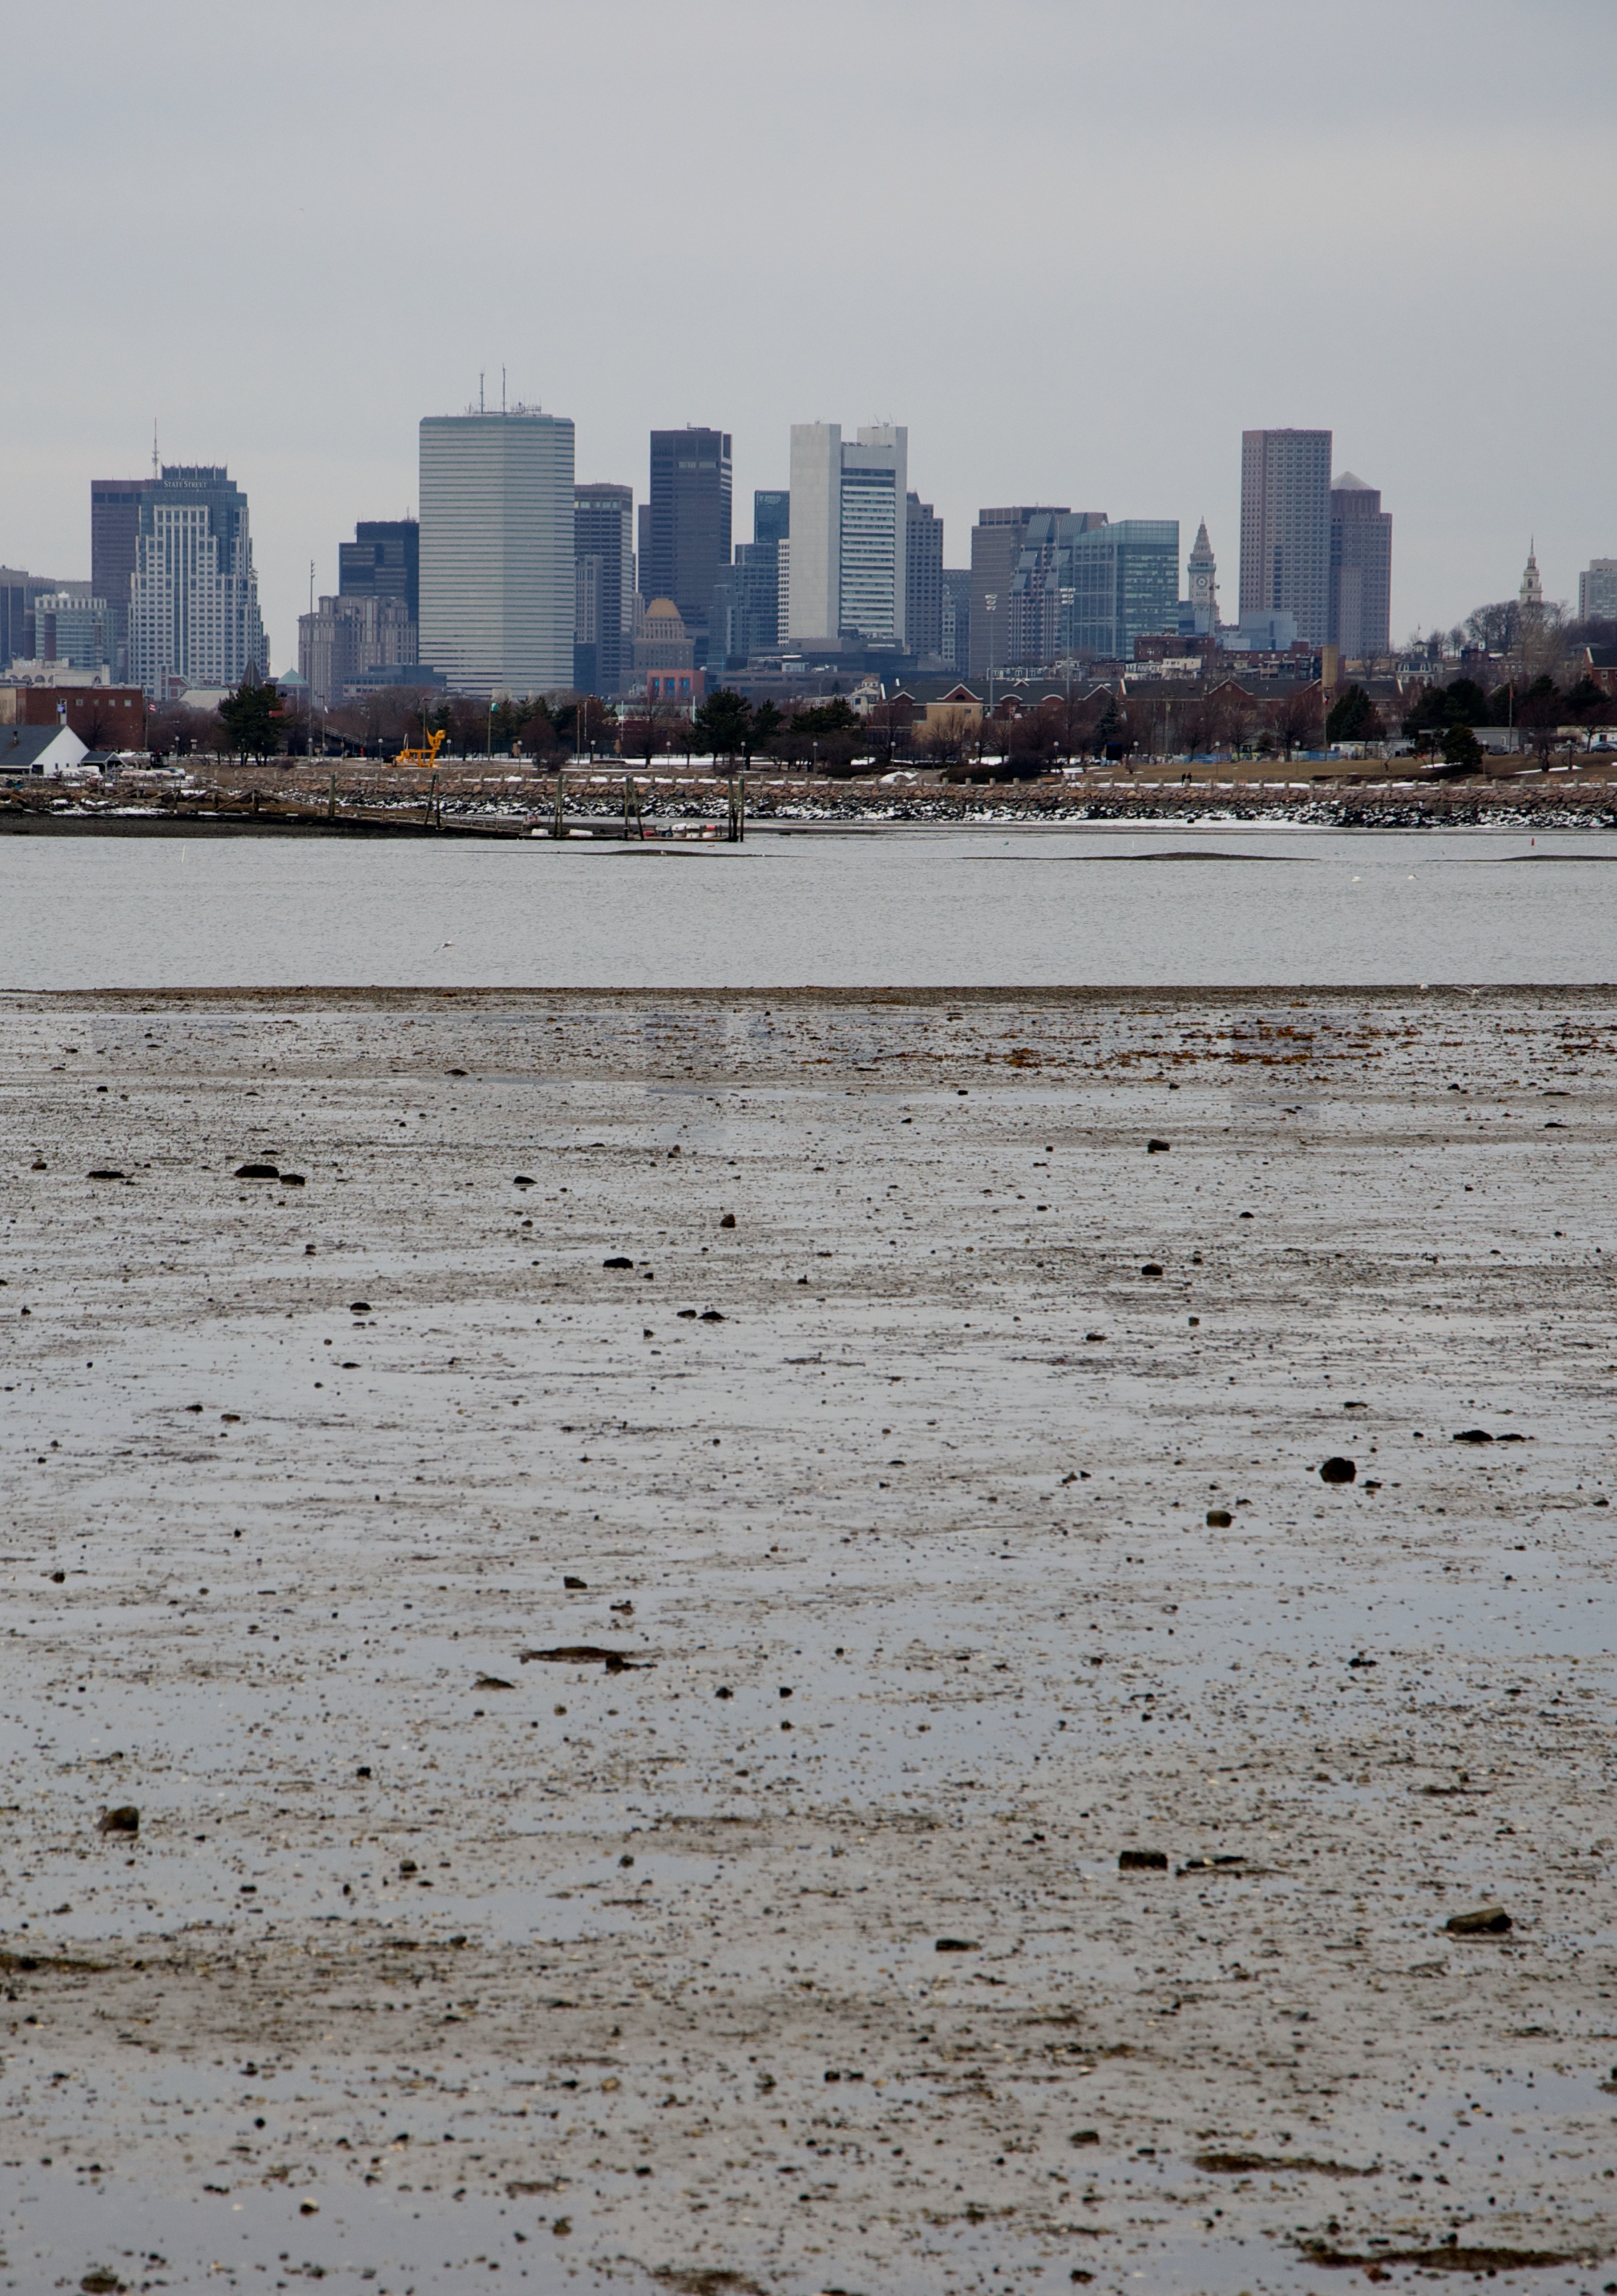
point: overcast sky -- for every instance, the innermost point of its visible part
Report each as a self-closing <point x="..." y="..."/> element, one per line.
<point x="1077" y="245"/>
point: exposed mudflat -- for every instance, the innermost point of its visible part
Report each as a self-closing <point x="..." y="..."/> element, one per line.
<point x="791" y="1953"/>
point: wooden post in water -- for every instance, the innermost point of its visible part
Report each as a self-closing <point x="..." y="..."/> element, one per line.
<point x="426" y="819"/>
<point x="330" y="799"/>
<point x="632" y="813"/>
<point x="558" y="827"/>
<point x="736" y="829"/>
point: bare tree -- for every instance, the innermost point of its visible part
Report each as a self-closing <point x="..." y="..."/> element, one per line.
<point x="947" y="736"/>
<point x="1296" y="718"/>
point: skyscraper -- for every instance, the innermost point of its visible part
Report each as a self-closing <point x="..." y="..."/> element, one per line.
<point x="760" y="563"/>
<point x="1597" y="591"/>
<point x="746" y="598"/>
<point x="1361" y="569"/>
<point x="193" y="598"/>
<point x="686" y="537"/>
<point x="383" y="560"/>
<point x="114" y="540"/>
<point x="497" y="599"/>
<point x="603" y="550"/>
<point x="814" y="565"/>
<point x="997" y="544"/>
<point x="352" y="638"/>
<point x="956" y="619"/>
<point x="1035" y="621"/>
<point x="1285" y="528"/>
<point x="76" y="629"/>
<point x="849" y="534"/>
<point x="1122" y="579"/>
<point x="771" y="516"/>
<point x="924" y="580"/>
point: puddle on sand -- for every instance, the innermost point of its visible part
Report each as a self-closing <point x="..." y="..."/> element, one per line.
<point x="56" y="2229"/>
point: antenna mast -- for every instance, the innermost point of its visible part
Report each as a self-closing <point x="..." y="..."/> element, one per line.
<point x="156" y="467"/>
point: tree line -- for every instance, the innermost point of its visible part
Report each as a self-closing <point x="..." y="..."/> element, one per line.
<point x="1021" y="740"/>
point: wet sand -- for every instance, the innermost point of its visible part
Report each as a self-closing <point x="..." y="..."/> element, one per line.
<point x="432" y="1960"/>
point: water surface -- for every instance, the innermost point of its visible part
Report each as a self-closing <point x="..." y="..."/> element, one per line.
<point x="1218" y="906"/>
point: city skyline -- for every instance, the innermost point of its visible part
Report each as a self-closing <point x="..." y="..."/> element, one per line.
<point x="1077" y="349"/>
<point x="107" y="541"/>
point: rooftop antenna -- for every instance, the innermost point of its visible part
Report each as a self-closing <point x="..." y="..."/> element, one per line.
<point x="479" y="390"/>
<point x="156" y="467"/>
<point x="502" y="390"/>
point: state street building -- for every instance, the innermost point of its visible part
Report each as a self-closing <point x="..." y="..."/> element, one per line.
<point x="194" y="595"/>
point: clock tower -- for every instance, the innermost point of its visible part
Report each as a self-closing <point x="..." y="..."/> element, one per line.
<point x="1204" y="575"/>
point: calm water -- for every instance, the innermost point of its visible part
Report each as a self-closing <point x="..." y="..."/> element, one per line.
<point x="1220" y="906"/>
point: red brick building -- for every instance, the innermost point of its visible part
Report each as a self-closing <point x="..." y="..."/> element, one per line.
<point x="104" y="716"/>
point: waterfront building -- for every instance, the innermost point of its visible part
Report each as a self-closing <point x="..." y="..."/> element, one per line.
<point x="1286" y="528"/>
<point x="686" y="525"/>
<point x="1361" y="570"/>
<point x="497" y="590"/>
<point x="194" y="596"/>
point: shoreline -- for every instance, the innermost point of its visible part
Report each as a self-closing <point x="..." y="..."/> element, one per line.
<point x="957" y="1517"/>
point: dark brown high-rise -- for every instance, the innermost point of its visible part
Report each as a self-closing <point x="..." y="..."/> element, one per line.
<point x="686" y="535"/>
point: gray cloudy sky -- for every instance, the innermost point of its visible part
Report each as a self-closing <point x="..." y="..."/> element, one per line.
<point x="1075" y="244"/>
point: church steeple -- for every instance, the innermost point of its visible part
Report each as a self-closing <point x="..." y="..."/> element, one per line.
<point x="1531" y="596"/>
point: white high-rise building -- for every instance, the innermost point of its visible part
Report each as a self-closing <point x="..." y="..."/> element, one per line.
<point x="497" y="593"/>
<point x="814" y="578"/>
<point x="194" y="596"/>
<point x="846" y="576"/>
